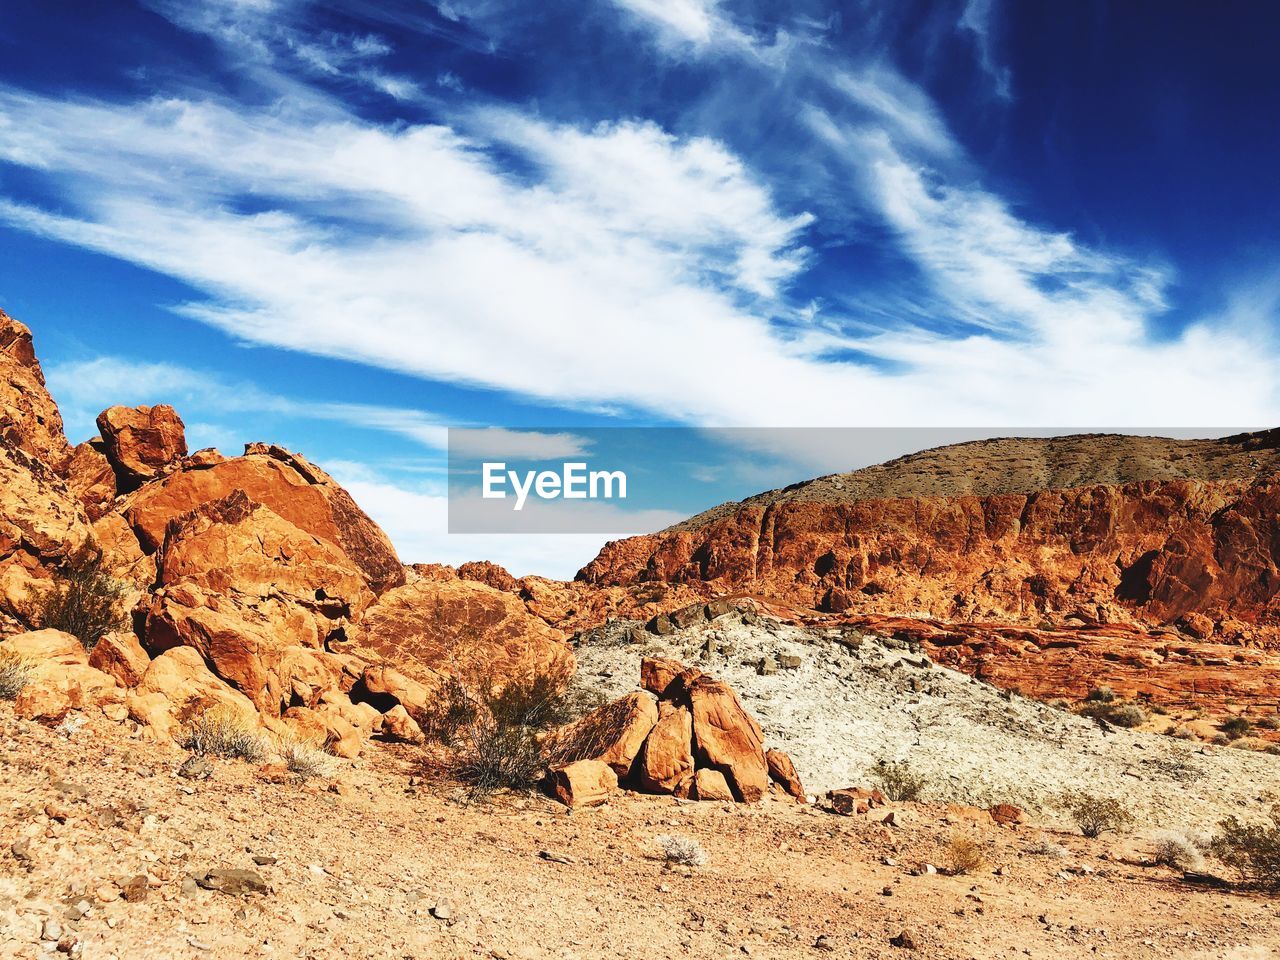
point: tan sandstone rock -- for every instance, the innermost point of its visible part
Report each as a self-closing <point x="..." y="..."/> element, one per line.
<point x="668" y="751"/>
<point x="29" y="419"/>
<point x="584" y="783"/>
<point x="119" y="654"/>
<point x="141" y="443"/>
<point x="483" y="636"/>
<point x="709" y="784"/>
<point x="287" y="484"/>
<point x="783" y="772"/>
<point x="61" y="678"/>
<point x="614" y="733"/>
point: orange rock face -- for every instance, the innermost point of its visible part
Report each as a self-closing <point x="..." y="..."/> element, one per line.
<point x="29" y="419"/>
<point x="292" y="488"/>
<point x="482" y="636"/>
<point x="668" y="752"/>
<point x="141" y="443"/>
<point x="257" y="597"/>
<point x="1146" y="552"/>
<point x="584" y="783"/>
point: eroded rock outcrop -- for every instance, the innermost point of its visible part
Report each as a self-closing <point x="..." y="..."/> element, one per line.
<point x="141" y="443"/>
<point x="287" y="484"/>
<point x="696" y="742"/>
<point x="29" y="419"/>
<point x="439" y="625"/>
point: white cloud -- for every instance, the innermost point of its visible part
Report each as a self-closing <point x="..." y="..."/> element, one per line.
<point x="976" y="19"/>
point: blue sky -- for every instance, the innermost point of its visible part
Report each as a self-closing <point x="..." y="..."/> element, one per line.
<point x="345" y="226"/>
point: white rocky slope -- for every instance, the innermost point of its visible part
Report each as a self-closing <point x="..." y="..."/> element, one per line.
<point x="837" y="703"/>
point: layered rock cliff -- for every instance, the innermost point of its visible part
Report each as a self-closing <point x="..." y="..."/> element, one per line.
<point x="1190" y="532"/>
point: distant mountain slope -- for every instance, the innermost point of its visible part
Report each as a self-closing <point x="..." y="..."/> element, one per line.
<point x="1091" y="528"/>
<point x="1029" y="464"/>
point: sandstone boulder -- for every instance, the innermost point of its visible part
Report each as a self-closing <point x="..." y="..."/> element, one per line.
<point x="613" y="733"/>
<point x="141" y="443"/>
<point x="176" y="688"/>
<point x="657" y="675"/>
<point x="725" y="736"/>
<point x="711" y="784"/>
<point x="41" y="525"/>
<point x="61" y="678"/>
<point x="398" y="725"/>
<point x="482" y="636"/>
<point x="668" y="751"/>
<point x="288" y="485"/>
<point x="120" y="655"/>
<point x="91" y="478"/>
<point x="783" y="772"/>
<point x="258" y="597"/>
<point x="584" y="783"/>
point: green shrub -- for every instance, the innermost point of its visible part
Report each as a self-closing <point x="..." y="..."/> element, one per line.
<point x="1096" y="815"/>
<point x="897" y="781"/>
<point x="1251" y="849"/>
<point x="86" y="602"/>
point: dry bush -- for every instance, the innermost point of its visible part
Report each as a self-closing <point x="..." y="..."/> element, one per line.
<point x="1174" y="849"/>
<point x="1251" y="849"/>
<point x="224" y="732"/>
<point x="306" y="759"/>
<point x="963" y="855"/>
<point x="1044" y="847"/>
<point x="453" y="710"/>
<point x="15" y="673"/>
<point x="897" y="781"/>
<point x="492" y="757"/>
<point x="1096" y="815"/>
<point x="1237" y="727"/>
<point x="86" y="603"/>
<point x="681" y="851"/>
<point x="1118" y="712"/>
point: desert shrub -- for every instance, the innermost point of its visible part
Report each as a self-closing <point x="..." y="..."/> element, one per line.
<point x="1237" y="727"/>
<point x="1044" y="847"/>
<point x="305" y="759"/>
<point x="1101" y="695"/>
<point x="541" y="703"/>
<point x="15" y="673"/>
<point x="86" y="603"/>
<point x="502" y="747"/>
<point x="681" y="851"/>
<point x="1096" y="815"/>
<point x="897" y="781"/>
<point x="1118" y="712"/>
<point x="492" y="756"/>
<point x="963" y="855"/>
<point x="223" y="732"/>
<point x="1173" y="849"/>
<point x="1251" y="849"/>
<point x="452" y="711"/>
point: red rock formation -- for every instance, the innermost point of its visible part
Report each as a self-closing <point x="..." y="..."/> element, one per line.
<point x="1148" y="552"/>
<point x="439" y="625"/>
<point x="29" y="419"/>
<point x="696" y="742"/>
<point x="142" y="443"/>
